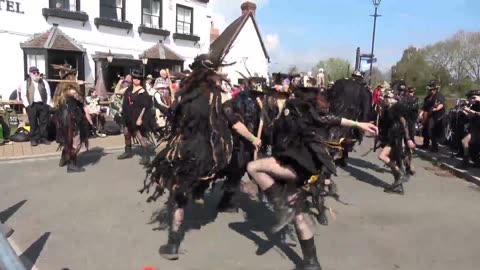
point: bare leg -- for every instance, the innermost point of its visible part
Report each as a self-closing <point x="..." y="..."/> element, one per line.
<point x="466" y="150"/>
<point x="265" y="172"/>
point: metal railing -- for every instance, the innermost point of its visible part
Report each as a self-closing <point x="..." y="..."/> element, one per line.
<point x="8" y="258"/>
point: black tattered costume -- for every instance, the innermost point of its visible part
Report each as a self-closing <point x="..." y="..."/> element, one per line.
<point x="396" y="127"/>
<point x="197" y="149"/>
<point x="137" y="106"/>
<point x="71" y="123"/>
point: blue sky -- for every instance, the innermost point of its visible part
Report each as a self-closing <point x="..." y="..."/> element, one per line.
<point x="302" y="32"/>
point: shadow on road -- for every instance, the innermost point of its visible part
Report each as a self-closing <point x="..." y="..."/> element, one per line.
<point x="196" y="215"/>
<point x="260" y="219"/>
<point x="30" y="256"/>
<point x="7" y="213"/>
<point x="364" y="176"/>
<point x="368" y="165"/>
<point x="92" y="156"/>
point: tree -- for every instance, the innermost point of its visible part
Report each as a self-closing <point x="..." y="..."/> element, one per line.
<point x="293" y="70"/>
<point x="377" y="76"/>
<point x="334" y="68"/>
<point x="413" y="68"/>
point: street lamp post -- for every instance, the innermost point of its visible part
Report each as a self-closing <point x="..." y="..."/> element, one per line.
<point x="376" y="3"/>
<point x="109" y="56"/>
<point x="144" y="61"/>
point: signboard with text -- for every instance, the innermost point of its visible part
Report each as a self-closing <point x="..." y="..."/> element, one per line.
<point x="11" y="6"/>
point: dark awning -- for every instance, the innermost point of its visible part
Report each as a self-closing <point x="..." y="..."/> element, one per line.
<point x="162" y="52"/>
<point x="53" y="39"/>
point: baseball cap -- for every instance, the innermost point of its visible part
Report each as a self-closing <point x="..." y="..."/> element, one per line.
<point x="33" y="69"/>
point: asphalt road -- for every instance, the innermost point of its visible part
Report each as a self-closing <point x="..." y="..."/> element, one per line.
<point x="98" y="220"/>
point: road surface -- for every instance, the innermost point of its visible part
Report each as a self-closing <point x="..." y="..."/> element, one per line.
<point x="98" y="220"/>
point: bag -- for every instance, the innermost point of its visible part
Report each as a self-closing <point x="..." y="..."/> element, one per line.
<point x="21" y="135"/>
<point x="112" y="128"/>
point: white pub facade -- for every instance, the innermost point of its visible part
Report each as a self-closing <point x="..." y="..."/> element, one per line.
<point x="107" y="37"/>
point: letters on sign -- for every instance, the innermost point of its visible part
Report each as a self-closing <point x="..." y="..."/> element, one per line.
<point x="11" y="6"/>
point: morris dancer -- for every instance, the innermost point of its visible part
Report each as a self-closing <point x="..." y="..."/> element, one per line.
<point x="71" y="119"/>
<point x="393" y="132"/>
<point x="298" y="154"/>
<point x="199" y="146"/>
<point x="137" y="118"/>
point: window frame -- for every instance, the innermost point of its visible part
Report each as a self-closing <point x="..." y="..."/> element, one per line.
<point x="53" y="3"/>
<point x="176" y="20"/>
<point x="160" y="16"/>
<point x="123" y="19"/>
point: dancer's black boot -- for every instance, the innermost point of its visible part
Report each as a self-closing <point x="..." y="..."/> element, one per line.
<point x="322" y="217"/>
<point x="63" y="159"/>
<point x="170" y="250"/>
<point x="283" y="212"/>
<point x="127" y="154"/>
<point x="72" y="166"/>
<point x="310" y="260"/>
<point x="400" y="178"/>
<point x="226" y="205"/>
<point x="145" y="161"/>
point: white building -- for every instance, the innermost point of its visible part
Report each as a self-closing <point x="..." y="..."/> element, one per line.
<point x="82" y="33"/>
<point x="243" y="45"/>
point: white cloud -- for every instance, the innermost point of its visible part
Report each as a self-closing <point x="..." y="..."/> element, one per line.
<point x="225" y="11"/>
<point x="272" y="42"/>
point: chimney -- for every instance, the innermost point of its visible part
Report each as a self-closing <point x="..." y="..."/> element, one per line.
<point x="248" y="6"/>
<point x="214" y="33"/>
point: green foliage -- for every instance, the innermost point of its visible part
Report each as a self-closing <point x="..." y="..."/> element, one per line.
<point x="454" y="63"/>
<point x="334" y="68"/>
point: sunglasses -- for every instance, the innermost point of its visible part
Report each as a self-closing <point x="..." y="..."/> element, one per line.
<point x="35" y="73"/>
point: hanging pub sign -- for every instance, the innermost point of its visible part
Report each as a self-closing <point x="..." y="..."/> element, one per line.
<point x="11" y="6"/>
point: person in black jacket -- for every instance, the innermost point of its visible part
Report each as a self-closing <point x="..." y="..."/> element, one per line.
<point x="433" y="112"/>
<point x="243" y="113"/>
<point x="299" y="157"/>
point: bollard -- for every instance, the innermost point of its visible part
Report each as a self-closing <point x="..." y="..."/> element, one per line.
<point x="8" y="259"/>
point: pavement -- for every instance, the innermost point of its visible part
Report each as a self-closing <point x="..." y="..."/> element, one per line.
<point x="98" y="220"/>
<point x="445" y="160"/>
<point x="23" y="150"/>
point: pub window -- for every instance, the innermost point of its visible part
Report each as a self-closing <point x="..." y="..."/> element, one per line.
<point x="37" y="60"/>
<point x="184" y="20"/>
<point x="70" y="5"/>
<point x="112" y="9"/>
<point x="151" y="13"/>
<point x="177" y="68"/>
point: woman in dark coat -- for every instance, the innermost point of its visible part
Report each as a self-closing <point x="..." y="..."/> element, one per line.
<point x="198" y="147"/>
<point x="137" y="118"/>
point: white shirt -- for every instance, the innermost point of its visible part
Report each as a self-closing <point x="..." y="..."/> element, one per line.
<point x="36" y="96"/>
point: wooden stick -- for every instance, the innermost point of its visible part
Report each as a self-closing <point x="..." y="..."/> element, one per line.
<point x="170" y="86"/>
<point x="260" y="127"/>
<point x="70" y="81"/>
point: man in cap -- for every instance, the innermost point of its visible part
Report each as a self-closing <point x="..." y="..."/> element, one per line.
<point x="36" y="97"/>
<point x="433" y="111"/>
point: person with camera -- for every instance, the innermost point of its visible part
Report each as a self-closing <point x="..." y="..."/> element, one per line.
<point x="471" y="142"/>
<point x="433" y="112"/>
<point x="37" y="99"/>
